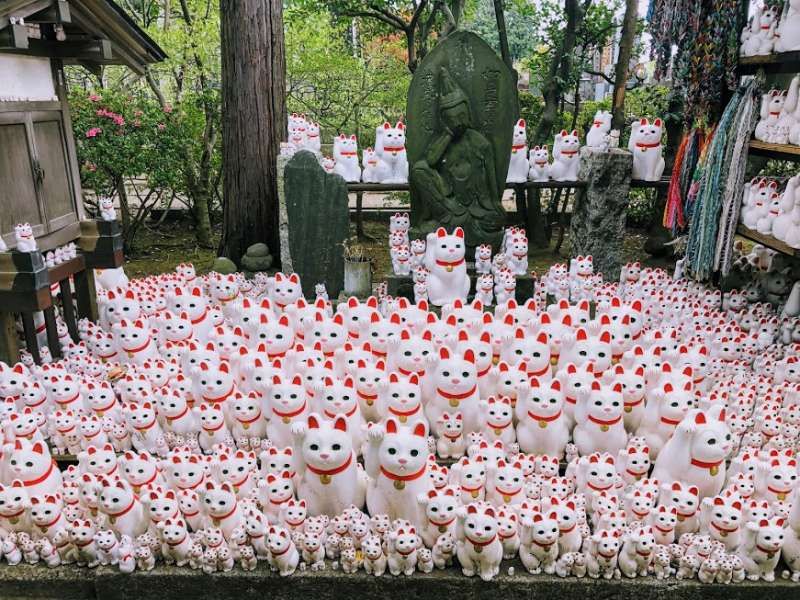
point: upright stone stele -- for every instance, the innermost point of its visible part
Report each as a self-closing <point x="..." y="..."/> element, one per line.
<point x="598" y="214"/>
<point x="462" y="106"/>
<point x="318" y="223"/>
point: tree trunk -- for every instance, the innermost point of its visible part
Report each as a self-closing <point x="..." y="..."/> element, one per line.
<point x="627" y="39"/>
<point x="122" y="194"/>
<point x="558" y="75"/>
<point x="253" y="122"/>
<point x="500" y="17"/>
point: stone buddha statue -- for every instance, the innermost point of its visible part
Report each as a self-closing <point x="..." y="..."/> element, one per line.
<point x="455" y="184"/>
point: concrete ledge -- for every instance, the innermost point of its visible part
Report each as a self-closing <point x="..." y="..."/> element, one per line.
<point x="166" y="583"/>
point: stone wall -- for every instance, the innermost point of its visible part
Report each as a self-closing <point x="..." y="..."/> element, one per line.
<point x="166" y="583"/>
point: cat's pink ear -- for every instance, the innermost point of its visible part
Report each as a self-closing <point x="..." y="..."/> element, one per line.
<point x="459" y="233"/>
<point x="313" y="423"/>
<point x="340" y="424"/>
<point x="391" y="426"/>
<point x="419" y="430"/>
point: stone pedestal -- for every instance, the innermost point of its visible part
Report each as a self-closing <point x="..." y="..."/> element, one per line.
<point x="283" y="217"/>
<point x="316" y="223"/>
<point x="598" y="214"/>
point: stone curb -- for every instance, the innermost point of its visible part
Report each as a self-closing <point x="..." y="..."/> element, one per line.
<point x="165" y="583"/>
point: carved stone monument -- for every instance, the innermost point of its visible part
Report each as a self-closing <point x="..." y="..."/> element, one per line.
<point x="462" y="106"/>
<point x="317" y="223"/>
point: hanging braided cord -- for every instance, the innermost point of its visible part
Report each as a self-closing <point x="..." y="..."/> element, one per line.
<point x="693" y="185"/>
<point x="697" y="43"/>
<point x="673" y="213"/>
<point x="736" y="164"/>
<point x="704" y="226"/>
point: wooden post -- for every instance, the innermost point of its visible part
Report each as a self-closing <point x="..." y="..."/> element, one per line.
<point x="359" y="215"/>
<point x="9" y="348"/>
<point x="534" y="223"/>
<point x="52" y="331"/>
<point x="86" y="295"/>
<point x="69" y="309"/>
<point x="29" y="329"/>
<point x="520" y="198"/>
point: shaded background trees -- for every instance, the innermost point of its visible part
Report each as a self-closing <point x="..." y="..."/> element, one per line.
<point x="348" y="66"/>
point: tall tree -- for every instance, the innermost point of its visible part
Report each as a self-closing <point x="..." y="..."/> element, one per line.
<point x="626" y="42"/>
<point x="558" y="75"/>
<point x="253" y="122"/>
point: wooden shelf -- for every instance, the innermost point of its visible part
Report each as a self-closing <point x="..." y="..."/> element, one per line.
<point x="784" y="62"/>
<point x="766" y="240"/>
<point x="776" y="151"/>
<point x="66" y="269"/>
<point x="403" y="187"/>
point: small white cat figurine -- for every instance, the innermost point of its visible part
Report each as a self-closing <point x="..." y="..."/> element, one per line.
<point x="390" y="146"/>
<point x="518" y="166"/>
<point x="539" y="162"/>
<point x="598" y="132"/>
<point x="345" y="153"/>
<point x="566" y="156"/>
<point x="444" y="258"/>
<point x="645" y="145"/>
<point x="23" y="233"/>
<point x="107" y="210"/>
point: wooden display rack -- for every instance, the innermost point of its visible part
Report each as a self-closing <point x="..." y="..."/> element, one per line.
<point x="766" y="240"/>
<point x="771" y="64"/>
<point x="27" y="285"/>
<point x="782" y="62"/>
<point x="40" y="176"/>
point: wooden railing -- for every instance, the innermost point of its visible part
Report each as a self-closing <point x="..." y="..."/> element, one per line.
<point x="28" y="287"/>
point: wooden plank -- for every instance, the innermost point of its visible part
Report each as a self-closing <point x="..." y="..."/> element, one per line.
<point x="766" y="240"/>
<point x="15" y="38"/>
<point x="403" y="187"/>
<point x="58" y="13"/>
<point x="9" y="347"/>
<point x="641" y="183"/>
<point x="98" y="50"/>
<point x="20" y="8"/>
<point x="66" y="269"/>
<point x="783" y="62"/>
<point x="776" y="151"/>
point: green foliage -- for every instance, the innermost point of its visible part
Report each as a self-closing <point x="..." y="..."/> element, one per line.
<point x="120" y="135"/>
<point x="346" y="89"/>
<point x="522" y="21"/>
<point x="599" y="25"/>
<point x="639" y="211"/>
